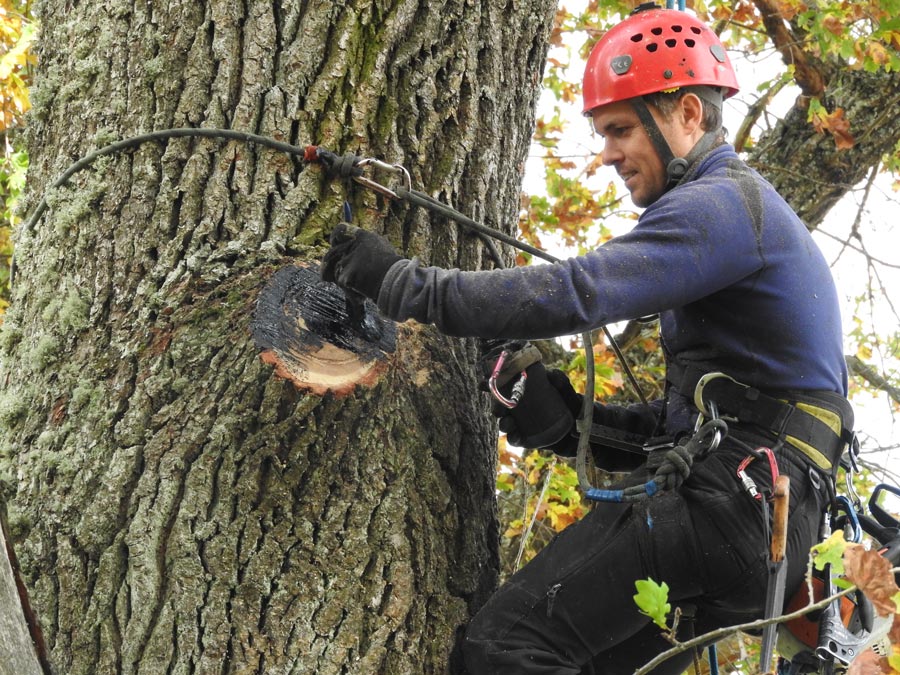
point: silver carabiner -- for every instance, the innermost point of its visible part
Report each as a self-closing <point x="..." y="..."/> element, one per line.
<point x="384" y="166"/>
<point x="713" y="411"/>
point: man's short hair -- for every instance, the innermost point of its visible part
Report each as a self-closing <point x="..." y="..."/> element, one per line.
<point x="711" y="97"/>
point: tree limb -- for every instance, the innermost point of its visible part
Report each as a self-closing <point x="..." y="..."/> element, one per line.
<point x="807" y="75"/>
<point x="863" y="370"/>
<point x="754" y="113"/>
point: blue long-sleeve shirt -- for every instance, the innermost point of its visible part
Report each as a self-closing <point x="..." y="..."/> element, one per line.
<point x="738" y="282"/>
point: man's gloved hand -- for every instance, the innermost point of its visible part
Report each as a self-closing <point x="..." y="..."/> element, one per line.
<point x="545" y="414"/>
<point x="358" y="260"/>
<point x="545" y="417"/>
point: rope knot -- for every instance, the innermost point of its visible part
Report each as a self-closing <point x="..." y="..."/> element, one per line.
<point x="675" y="468"/>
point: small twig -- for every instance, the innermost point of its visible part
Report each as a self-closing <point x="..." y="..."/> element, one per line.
<point x="720" y="633"/>
<point x="847" y="244"/>
<point x="854" y="229"/>
<point x="534" y="513"/>
<point x="754" y="113"/>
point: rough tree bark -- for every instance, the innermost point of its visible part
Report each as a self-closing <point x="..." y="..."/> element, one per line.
<point x="175" y="506"/>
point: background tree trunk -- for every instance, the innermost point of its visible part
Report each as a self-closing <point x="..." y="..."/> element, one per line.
<point x="176" y="507"/>
<point x="17" y="651"/>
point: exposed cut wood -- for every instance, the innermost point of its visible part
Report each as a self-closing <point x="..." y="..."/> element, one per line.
<point x="314" y="338"/>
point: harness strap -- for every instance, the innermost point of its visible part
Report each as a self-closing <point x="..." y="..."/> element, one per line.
<point x="817" y="424"/>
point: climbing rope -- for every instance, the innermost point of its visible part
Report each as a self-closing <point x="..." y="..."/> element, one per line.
<point x="352" y="167"/>
<point x="671" y="466"/>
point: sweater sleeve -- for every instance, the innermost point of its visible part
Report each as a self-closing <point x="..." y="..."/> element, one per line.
<point x="684" y="248"/>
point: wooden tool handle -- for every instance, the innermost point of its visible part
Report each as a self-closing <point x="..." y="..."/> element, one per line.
<point x="781" y="498"/>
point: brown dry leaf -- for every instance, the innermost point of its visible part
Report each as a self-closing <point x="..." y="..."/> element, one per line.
<point x="869" y="663"/>
<point x="833" y="24"/>
<point x="878" y="53"/>
<point x="838" y="126"/>
<point x="894" y="633"/>
<point x="872" y="574"/>
<point x="594" y="165"/>
<point x="788" y="9"/>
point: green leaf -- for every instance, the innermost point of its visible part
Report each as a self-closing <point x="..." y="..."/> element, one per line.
<point x="830" y="551"/>
<point x="653" y="600"/>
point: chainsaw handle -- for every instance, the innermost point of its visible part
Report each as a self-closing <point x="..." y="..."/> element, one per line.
<point x="781" y="499"/>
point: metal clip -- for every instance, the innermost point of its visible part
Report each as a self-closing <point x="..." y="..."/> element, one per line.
<point x="853" y="454"/>
<point x="836" y="642"/>
<point x="518" y="390"/>
<point x="384" y="166"/>
<point x="749" y="484"/>
<point x="713" y="412"/>
<point x="699" y="390"/>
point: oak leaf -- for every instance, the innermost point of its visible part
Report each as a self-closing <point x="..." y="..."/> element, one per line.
<point x="837" y="125"/>
<point x="871" y="572"/>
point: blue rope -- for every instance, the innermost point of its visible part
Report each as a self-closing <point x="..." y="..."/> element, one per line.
<point x="632" y="494"/>
<point x="713" y="660"/>
<point x="600" y="495"/>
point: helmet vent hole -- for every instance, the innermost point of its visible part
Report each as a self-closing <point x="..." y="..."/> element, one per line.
<point x="637" y="37"/>
<point x="671" y="42"/>
<point x="689" y="42"/>
<point x="656" y="31"/>
<point x="676" y="29"/>
<point x="652" y="47"/>
<point x="695" y="30"/>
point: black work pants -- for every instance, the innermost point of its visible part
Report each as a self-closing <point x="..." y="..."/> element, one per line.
<point x="571" y="609"/>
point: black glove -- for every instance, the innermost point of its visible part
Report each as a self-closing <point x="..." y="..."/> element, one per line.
<point x="543" y="415"/>
<point x="358" y="260"/>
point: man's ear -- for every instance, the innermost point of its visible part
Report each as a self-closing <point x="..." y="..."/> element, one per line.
<point x="691" y="113"/>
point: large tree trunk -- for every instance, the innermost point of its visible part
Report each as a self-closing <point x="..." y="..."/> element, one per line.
<point x="175" y="506"/>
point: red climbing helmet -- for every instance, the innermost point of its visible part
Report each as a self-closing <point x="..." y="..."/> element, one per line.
<point x="652" y="50"/>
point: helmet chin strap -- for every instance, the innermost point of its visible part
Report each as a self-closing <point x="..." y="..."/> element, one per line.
<point x="676" y="167"/>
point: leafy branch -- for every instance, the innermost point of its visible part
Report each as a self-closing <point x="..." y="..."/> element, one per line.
<point x="724" y="632"/>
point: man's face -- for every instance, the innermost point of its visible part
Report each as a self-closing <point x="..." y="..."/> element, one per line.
<point x="629" y="150"/>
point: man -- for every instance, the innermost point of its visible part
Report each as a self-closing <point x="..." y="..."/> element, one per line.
<point x="748" y="311"/>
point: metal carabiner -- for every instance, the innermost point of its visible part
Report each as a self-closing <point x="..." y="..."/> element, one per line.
<point x="713" y="411"/>
<point x="853" y="454"/>
<point x="518" y="390"/>
<point x="844" y="504"/>
<point x="384" y="166"/>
